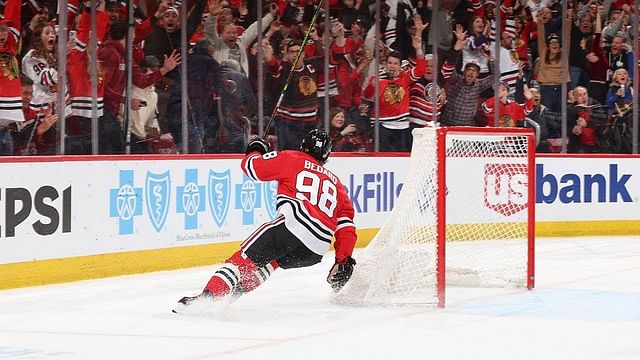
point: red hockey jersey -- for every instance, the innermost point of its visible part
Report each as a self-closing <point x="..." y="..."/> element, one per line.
<point x="312" y="199"/>
<point x="78" y="67"/>
<point x="394" y="96"/>
<point x="512" y="114"/>
<point x="10" y="87"/>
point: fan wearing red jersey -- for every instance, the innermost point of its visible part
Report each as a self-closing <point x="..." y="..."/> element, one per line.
<point x="313" y="206"/>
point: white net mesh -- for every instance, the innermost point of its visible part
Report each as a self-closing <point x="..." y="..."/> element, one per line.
<point x="486" y="222"/>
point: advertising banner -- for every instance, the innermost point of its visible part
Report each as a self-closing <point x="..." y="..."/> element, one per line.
<point x="58" y="209"/>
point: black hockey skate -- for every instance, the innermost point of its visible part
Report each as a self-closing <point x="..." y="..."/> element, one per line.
<point x="204" y="297"/>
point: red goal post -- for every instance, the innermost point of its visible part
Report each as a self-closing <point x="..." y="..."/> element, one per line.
<point x="465" y="217"/>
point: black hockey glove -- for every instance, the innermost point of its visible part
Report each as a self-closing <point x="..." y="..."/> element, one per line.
<point x="258" y="145"/>
<point x="341" y="273"/>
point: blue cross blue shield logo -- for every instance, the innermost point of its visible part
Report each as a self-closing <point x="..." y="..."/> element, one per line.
<point x="125" y="202"/>
<point x="190" y="199"/>
<point x="219" y="195"/>
<point x="270" y="193"/>
<point x="248" y="198"/>
<point x="157" y="196"/>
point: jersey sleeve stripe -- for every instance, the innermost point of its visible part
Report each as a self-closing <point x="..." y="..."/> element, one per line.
<point x="250" y="169"/>
<point x="344" y="223"/>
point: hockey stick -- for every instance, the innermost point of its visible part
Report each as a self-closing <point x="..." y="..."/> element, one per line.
<point x="286" y="83"/>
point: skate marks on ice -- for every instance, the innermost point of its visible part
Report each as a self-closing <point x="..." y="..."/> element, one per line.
<point x="129" y="317"/>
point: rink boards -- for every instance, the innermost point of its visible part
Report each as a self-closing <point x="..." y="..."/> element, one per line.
<point x="71" y="218"/>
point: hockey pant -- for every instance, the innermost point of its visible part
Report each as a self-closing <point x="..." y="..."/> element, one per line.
<point x="271" y="246"/>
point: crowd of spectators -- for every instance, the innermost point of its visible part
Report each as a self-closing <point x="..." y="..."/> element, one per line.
<point x="526" y="56"/>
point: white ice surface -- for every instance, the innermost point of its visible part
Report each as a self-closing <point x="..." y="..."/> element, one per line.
<point x="586" y="305"/>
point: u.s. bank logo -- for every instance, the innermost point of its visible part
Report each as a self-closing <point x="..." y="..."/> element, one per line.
<point x="125" y="202"/>
<point x="270" y="193"/>
<point x="247" y="199"/>
<point x="505" y="187"/>
<point x="219" y="195"/>
<point x="157" y="196"/>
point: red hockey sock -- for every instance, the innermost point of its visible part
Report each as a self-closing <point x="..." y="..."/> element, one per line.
<point x="240" y="273"/>
<point x="251" y="276"/>
<point x="224" y="280"/>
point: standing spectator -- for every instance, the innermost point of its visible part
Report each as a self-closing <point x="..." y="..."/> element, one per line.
<point x="357" y="33"/>
<point x="583" y="123"/>
<point x="477" y="45"/>
<point x="580" y="35"/>
<point x="112" y="55"/>
<point x="298" y="110"/>
<point x="205" y="76"/>
<point x="521" y="43"/>
<point x="40" y="65"/>
<point x="613" y="26"/>
<point x="535" y="6"/>
<point x="597" y="64"/>
<point x="463" y="90"/>
<point x="353" y="11"/>
<point x="116" y="10"/>
<point x="247" y="14"/>
<point x="165" y="38"/>
<point x="395" y="131"/>
<point x="620" y="91"/>
<point x="349" y="68"/>
<point x="510" y="113"/>
<point x="237" y="105"/>
<point x="37" y="14"/>
<point x="229" y="14"/>
<point x="549" y="66"/>
<point x="144" y="121"/>
<point x="444" y="23"/>
<point x="620" y="98"/>
<point x="166" y="34"/>
<point x="270" y="68"/>
<point x="539" y="116"/>
<point x="10" y="89"/>
<point x="78" y="125"/>
<point x="297" y="113"/>
<point x="228" y="45"/>
<point x="508" y="56"/>
<point x="620" y="56"/>
<point x="327" y="85"/>
<point x="422" y="111"/>
<point x="113" y="10"/>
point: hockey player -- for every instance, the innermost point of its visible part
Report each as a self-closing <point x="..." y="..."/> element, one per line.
<point x="313" y="206"/>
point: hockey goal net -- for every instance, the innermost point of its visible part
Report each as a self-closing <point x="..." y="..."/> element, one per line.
<point x="465" y="217"/>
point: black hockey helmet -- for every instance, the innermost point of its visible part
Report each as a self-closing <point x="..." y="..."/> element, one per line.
<point x="317" y="143"/>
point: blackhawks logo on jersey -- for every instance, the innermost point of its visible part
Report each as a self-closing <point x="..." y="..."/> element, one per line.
<point x="9" y="66"/>
<point x="514" y="56"/>
<point x="518" y="42"/>
<point x="307" y="86"/>
<point x="506" y="121"/>
<point x="431" y="91"/>
<point x="393" y="94"/>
